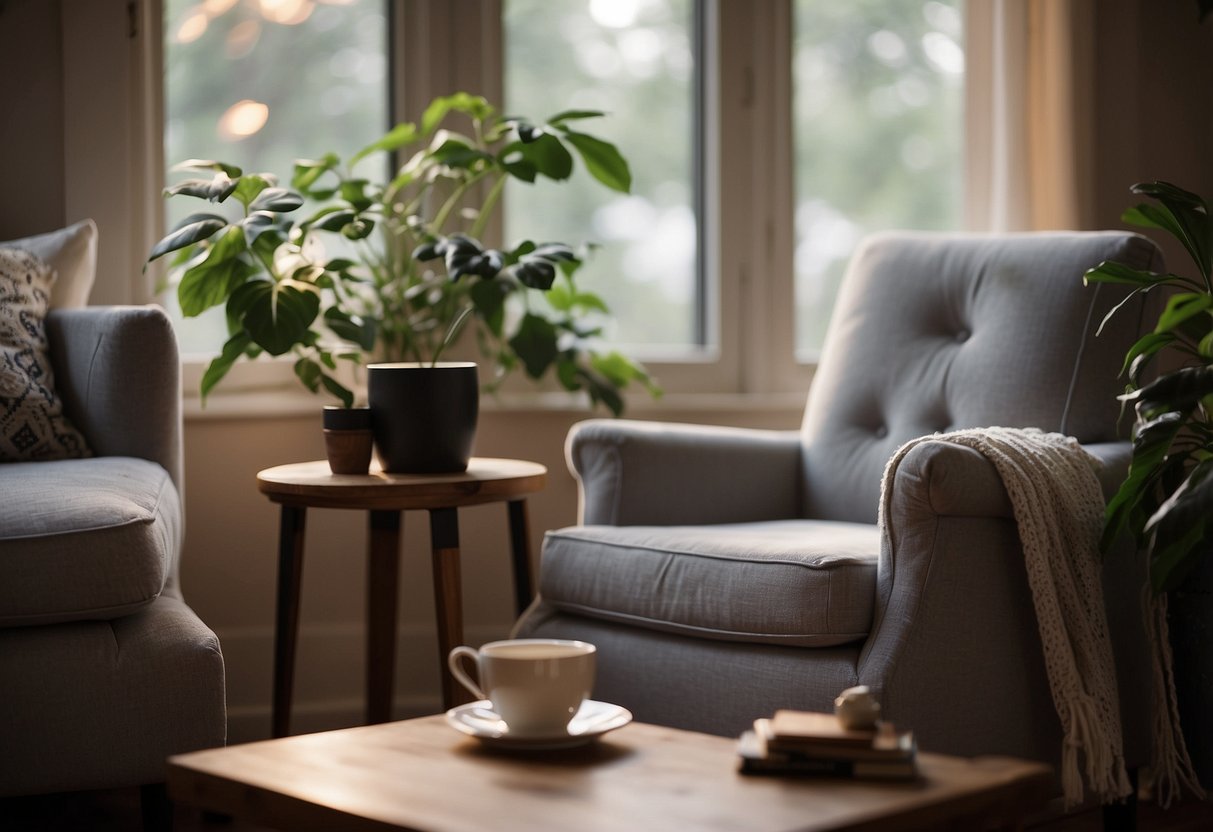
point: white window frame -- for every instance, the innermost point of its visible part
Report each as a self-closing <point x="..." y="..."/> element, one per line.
<point x="748" y="157"/>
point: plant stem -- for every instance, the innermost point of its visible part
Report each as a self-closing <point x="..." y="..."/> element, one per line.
<point x="486" y="209"/>
<point x="453" y="201"/>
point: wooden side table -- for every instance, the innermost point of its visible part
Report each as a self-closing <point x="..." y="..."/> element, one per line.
<point x="305" y="485"/>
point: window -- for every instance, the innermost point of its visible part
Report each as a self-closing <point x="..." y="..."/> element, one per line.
<point x="260" y="83"/>
<point x="633" y="60"/>
<point x="877" y="120"/>
<point x="765" y="140"/>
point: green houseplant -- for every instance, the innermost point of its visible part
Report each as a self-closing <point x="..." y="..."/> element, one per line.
<point x="1166" y="500"/>
<point x="419" y="273"/>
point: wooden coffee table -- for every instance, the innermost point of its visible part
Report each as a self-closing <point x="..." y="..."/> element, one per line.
<point x="421" y="774"/>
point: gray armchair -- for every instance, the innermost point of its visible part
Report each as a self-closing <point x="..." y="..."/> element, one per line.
<point x="104" y="670"/>
<point x="724" y="573"/>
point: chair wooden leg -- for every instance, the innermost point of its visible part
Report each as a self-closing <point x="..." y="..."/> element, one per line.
<point x="156" y="808"/>
<point x="1122" y="817"/>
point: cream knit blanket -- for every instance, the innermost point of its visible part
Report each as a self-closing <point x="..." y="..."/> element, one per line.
<point x="1058" y="507"/>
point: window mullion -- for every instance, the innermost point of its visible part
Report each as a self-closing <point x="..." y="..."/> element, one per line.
<point x="754" y="199"/>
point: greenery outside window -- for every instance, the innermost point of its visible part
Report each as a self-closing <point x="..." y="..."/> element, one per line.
<point x="877" y="115"/>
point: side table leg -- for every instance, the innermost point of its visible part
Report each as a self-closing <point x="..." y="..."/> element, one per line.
<point x="520" y="553"/>
<point x="448" y="597"/>
<point x="286" y="623"/>
<point x="383" y="577"/>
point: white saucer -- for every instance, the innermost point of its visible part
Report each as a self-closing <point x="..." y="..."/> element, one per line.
<point x="477" y="719"/>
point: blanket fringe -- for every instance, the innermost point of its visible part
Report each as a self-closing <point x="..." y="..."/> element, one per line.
<point x="1172" y="766"/>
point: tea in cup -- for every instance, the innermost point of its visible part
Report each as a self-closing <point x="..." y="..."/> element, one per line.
<point x="536" y="685"/>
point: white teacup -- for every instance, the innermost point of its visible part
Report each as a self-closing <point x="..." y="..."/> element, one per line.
<point x="535" y="685"/>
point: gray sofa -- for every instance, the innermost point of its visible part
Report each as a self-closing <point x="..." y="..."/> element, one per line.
<point x="104" y="670"/>
<point x="724" y="573"/>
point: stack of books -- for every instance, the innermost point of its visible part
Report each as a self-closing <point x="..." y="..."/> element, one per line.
<point x="808" y="743"/>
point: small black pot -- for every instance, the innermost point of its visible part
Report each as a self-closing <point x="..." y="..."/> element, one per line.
<point x="424" y="416"/>
<point x="348" y="439"/>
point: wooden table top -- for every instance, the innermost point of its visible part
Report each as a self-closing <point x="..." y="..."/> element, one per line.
<point x="421" y="774"/>
<point x="486" y="480"/>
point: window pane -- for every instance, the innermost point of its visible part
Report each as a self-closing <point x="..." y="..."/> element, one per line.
<point x="260" y="83"/>
<point x="878" y="121"/>
<point x="633" y="60"/>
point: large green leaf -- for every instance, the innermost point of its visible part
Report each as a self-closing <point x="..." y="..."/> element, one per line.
<point x="601" y="391"/>
<point x="1181" y="307"/>
<point x="330" y="218"/>
<point x="602" y="160"/>
<point x="1171" y="193"/>
<point x="1150" y="447"/>
<point x="354" y="191"/>
<point x="1180" y="212"/>
<point x="309" y="372"/>
<point x="249" y="186"/>
<point x="354" y="328"/>
<point x="259" y="223"/>
<point x="616" y="367"/>
<point x="210" y="282"/>
<point x="574" y="115"/>
<point x="1110" y="271"/>
<point x="1180" y="390"/>
<point x="338" y="389"/>
<point x="359" y="229"/>
<point x="309" y="171"/>
<point x="514" y="162"/>
<point x="463" y="256"/>
<point x="400" y="135"/>
<point x="217" y="369"/>
<point x="488" y="298"/>
<point x="278" y="200"/>
<point x="535" y="343"/>
<point x="276" y="315"/>
<point x="456" y="154"/>
<point x="549" y="156"/>
<point x="208" y="164"/>
<point x="1145" y="348"/>
<point x="216" y="189"/>
<point x="192" y="229"/>
<point x="1179" y="526"/>
<point x="475" y="106"/>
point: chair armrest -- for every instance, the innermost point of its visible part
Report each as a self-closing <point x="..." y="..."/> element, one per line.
<point x="955" y="637"/>
<point x="1114" y="458"/>
<point x="117" y="370"/>
<point x="633" y="473"/>
<point x="957" y="480"/>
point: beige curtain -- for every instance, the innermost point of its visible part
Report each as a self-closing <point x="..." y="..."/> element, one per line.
<point x="1028" y="114"/>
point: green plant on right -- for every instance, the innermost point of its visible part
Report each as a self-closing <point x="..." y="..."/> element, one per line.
<point x="1166" y="499"/>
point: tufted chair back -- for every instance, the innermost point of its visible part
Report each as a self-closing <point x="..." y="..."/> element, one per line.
<point x="935" y="332"/>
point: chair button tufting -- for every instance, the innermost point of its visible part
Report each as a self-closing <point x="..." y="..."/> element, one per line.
<point x="962" y="336"/>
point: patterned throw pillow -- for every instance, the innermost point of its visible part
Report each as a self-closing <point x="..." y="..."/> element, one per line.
<point x="32" y="423"/>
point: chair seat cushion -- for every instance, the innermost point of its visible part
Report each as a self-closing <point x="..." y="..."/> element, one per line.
<point x="84" y="538"/>
<point x="805" y="583"/>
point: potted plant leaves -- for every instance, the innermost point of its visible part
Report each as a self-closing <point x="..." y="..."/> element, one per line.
<point x="1166" y="499"/>
<point x="419" y="275"/>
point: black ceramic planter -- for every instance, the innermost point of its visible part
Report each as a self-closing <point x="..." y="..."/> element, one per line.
<point x="424" y="416"/>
